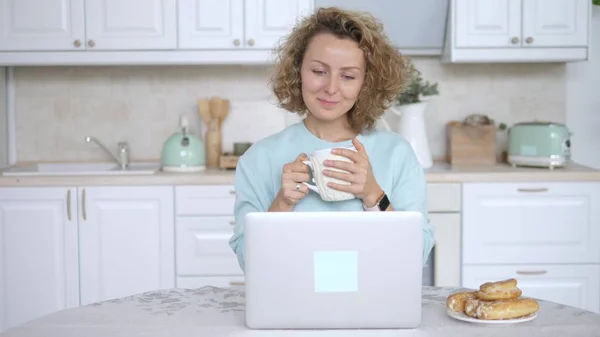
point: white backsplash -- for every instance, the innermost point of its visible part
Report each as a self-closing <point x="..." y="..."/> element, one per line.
<point x="56" y="107"/>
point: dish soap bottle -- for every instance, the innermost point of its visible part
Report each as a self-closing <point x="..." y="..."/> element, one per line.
<point x="183" y="152"/>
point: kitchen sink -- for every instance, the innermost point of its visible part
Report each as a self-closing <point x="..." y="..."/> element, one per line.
<point x="57" y="169"/>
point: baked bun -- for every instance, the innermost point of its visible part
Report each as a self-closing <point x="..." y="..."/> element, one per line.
<point x="504" y="309"/>
<point x="500" y="290"/>
<point x="456" y="301"/>
<point x="493" y="301"/>
<point x="471" y="305"/>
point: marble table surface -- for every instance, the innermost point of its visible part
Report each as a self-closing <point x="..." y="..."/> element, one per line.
<point x="212" y="312"/>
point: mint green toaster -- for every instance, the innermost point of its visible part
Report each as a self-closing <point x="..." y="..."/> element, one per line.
<point x="539" y="144"/>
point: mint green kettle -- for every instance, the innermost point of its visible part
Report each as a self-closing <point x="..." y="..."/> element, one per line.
<point x="183" y="152"/>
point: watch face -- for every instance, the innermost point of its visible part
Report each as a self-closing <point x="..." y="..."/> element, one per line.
<point x="384" y="203"/>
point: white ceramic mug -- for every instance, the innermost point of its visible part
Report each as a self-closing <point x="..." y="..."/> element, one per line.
<point x="315" y="162"/>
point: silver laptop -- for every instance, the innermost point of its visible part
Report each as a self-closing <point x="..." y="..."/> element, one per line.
<point x="333" y="270"/>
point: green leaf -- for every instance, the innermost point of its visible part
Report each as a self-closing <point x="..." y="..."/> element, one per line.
<point x="416" y="89"/>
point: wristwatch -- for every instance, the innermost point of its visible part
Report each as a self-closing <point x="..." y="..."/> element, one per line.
<point x="381" y="205"/>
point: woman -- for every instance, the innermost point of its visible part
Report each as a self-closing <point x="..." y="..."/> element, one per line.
<point x="337" y="69"/>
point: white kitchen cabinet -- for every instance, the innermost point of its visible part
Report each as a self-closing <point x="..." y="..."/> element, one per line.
<point x="97" y="32"/>
<point x="36" y="25"/>
<point x="447" y="249"/>
<point x="204" y="224"/>
<point x="39" y="264"/>
<point x="444" y="203"/>
<point x="237" y="24"/>
<point x="87" y="25"/>
<point x="126" y="241"/>
<point x="531" y="223"/>
<point x="269" y="20"/>
<point x="518" y="31"/>
<point x="130" y="24"/>
<point x="69" y="246"/>
<point x="208" y="24"/>
<point x="544" y="234"/>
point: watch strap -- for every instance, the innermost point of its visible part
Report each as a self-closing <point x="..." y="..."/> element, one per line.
<point x="382" y="204"/>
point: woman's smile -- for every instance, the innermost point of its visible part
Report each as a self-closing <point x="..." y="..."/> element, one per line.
<point x="327" y="103"/>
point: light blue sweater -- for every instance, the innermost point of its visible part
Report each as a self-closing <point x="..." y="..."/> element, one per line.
<point x="259" y="170"/>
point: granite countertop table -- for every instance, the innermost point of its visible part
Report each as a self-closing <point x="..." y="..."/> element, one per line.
<point x="219" y="312"/>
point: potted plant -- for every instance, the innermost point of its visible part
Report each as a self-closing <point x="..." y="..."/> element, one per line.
<point x="410" y="106"/>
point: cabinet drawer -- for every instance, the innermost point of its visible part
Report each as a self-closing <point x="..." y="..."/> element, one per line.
<point x="443" y="197"/>
<point x="213" y="281"/>
<point x="574" y="285"/>
<point x="202" y="246"/>
<point x="531" y="223"/>
<point x="204" y="200"/>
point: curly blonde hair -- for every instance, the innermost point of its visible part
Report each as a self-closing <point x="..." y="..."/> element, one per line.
<point x="387" y="71"/>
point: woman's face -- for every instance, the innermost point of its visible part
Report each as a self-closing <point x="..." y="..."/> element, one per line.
<point x="332" y="76"/>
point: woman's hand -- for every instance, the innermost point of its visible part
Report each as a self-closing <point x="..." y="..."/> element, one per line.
<point x="360" y="174"/>
<point x="292" y="188"/>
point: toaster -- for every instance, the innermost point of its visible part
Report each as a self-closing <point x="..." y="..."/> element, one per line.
<point x="539" y="144"/>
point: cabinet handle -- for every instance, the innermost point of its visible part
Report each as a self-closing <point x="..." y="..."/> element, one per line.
<point x="77" y="43"/>
<point x="532" y="272"/>
<point x="236" y="42"/>
<point x="232" y="222"/>
<point x="251" y="42"/>
<point x="69" y="204"/>
<point x="83" y="204"/>
<point x="232" y="192"/>
<point x="91" y="43"/>
<point x="529" y="40"/>
<point x="532" y="190"/>
<point x="237" y="283"/>
<point x="514" y="40"/>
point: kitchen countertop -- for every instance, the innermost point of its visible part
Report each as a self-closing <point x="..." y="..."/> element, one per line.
<point x="212" y="312"/>
<point x="439" y="173"/>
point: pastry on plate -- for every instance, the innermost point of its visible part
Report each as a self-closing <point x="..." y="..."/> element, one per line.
<point x="500" y="300"/>
<point x="456" y="301"/>
<point x="502" y="309"/>
<point x="500" y="290"/>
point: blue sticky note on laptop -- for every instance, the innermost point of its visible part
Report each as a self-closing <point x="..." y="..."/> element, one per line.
<point x="335" y="271"/>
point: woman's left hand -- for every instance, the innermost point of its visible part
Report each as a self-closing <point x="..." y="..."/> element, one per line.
<point x="360" y="174"/>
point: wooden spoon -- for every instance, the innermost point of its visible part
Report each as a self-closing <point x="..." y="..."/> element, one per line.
<point x="215" y="108"/>
<point x="222" y="112"/>
<point x="204" y="110"/>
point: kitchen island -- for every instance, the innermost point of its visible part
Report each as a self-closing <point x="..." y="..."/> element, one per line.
<point x="219" y="312"/>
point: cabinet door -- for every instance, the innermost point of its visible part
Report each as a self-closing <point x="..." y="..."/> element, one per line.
<point x="485" y="23"/>
<point x="269" y="20"/>
<point x="34" y="25"/>
<point x="131" y="24"/>
<point x="38" y="253"/>
<point x="126" y="241"/>
<point x="203" y="246"/>
<point x="208" y="24"/>
<point x="533" y="223"/>
<point x="556" y="23"/>
<point x="574" y="285"/>
<point x="447" y="249"/>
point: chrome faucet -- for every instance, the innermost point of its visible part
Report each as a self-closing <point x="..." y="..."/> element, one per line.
<point x="123" y="151"/>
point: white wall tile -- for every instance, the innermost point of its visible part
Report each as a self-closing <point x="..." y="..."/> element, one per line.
<point x="57" y="107"/>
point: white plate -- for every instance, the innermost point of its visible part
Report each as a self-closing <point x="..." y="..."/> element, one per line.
<point x="463" y="317"/>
